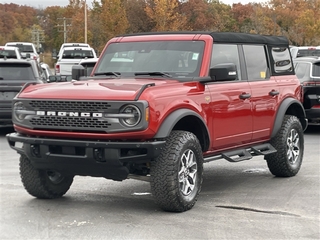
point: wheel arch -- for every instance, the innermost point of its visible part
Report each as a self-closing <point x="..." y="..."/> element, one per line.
<point x="187" y="120"/>
<point x="289" y="106"/>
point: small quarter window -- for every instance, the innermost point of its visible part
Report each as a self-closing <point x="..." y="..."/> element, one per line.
<point x="281" y="60"/>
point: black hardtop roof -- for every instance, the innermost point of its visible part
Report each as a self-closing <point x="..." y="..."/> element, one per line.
<point x="228" y="37"/>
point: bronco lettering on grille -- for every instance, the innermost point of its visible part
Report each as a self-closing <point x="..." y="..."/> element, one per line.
<point x="68" y="114"/>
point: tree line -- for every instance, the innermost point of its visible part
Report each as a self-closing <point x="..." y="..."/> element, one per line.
<point x="298" y="20"/>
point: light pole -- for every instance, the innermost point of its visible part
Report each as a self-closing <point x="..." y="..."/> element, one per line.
<point x="85" y="21"/>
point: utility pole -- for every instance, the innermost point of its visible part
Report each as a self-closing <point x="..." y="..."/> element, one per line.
<point x="85" y="21"/>
<point x="65" y="26"/>
<point x="37" y="37"/>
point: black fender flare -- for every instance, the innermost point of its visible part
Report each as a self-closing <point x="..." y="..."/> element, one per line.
<point x="284" y="106"/>
<point x="172" y="119"/>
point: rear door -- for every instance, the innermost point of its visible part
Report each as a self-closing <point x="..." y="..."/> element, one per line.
<point x="264" y="90"/>
<point x="267" y="91"/>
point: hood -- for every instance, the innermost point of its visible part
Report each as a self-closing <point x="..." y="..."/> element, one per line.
<point x="108" y="89"/>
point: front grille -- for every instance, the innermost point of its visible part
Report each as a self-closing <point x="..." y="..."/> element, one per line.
<point x="70" y="105"/>
<point x="71" y="123"/>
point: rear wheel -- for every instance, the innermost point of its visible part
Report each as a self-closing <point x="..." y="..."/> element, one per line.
<point x="289" y="142"/>
<point x="176" y="175"/>
<point x="43" y="183"/>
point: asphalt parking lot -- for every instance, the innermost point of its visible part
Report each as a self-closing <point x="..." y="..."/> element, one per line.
<point x="238" y="201"/>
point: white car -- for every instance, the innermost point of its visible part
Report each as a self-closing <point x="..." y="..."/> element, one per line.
<point x="27" y="49"/>
<point x="71" y="45"/>
<point x="72" y="56"/>
<point x="10" y="52"/>
<point x="305" y="51"/>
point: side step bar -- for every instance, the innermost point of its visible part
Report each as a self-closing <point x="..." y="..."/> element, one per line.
<point x="244" y="154"/>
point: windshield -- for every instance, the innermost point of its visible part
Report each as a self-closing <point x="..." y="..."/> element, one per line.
<point x="23" y="48"/>
<point x="308" y="52"/>
<point x="77" y="54"/>
<point x="16" y="72"/>
<point x="177" y="58"/>
<point x="8" y="54"/>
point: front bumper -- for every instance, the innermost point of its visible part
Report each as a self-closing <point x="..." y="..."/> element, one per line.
<point x="5" y="117"/>
<point x="87" y="158"/>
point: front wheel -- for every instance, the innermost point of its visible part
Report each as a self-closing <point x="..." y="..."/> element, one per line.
<point x="176" y="175"/>
<point x="44" y="184"/>
<point x="289" y="142"/>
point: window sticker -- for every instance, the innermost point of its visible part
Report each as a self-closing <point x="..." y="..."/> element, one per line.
<point x="263" y="75"/>
<point x="195" y="56"/>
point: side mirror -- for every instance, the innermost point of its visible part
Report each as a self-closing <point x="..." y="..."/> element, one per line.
<point x="224" y="72"/>
<point x="53" y="78"/>
<point x="78" y="71"/>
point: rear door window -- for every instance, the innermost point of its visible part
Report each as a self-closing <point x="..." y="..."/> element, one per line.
<point x="256" y="62"/>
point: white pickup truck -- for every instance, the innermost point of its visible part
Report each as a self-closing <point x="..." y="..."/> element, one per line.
<point x="72" y="56"/>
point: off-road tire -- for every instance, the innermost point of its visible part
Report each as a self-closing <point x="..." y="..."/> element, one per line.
<point x="42" y="183"/>
<point x="171" y="173"/>
<point x="289" y="142"/>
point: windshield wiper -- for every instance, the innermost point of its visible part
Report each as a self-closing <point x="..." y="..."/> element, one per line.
<point x="117" y="74"/>
<point x="163" y="74"/>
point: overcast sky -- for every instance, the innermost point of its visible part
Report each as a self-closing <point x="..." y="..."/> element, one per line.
<point x="46" y="3"/>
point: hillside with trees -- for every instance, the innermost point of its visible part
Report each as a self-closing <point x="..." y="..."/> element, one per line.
<point x="298" y="20"/>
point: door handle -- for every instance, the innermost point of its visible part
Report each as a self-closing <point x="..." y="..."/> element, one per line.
<point x="244" y="95"/>
<point x="273" y="93"/>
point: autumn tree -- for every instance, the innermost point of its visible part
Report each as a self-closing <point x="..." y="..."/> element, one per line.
<point x="108" y="20"/>
<point x="139" y="20"/>
<point x="298" y="20"/>
<point x="165" y="15"/>
<point x="199" y="16"/>
<point x="16" y="22"/>
<point x="223" y="20"/>
<point x="75" y="12"/>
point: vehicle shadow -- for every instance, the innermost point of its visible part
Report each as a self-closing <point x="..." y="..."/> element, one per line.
<point x="312" y="129"/>
<point x="5" y="131"/>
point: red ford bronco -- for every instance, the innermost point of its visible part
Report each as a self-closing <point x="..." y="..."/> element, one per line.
<point x="156" y="107"/>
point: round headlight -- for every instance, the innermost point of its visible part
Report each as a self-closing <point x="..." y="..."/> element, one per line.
<point x="19" y="111"/>
<point x="131" y="115"/>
